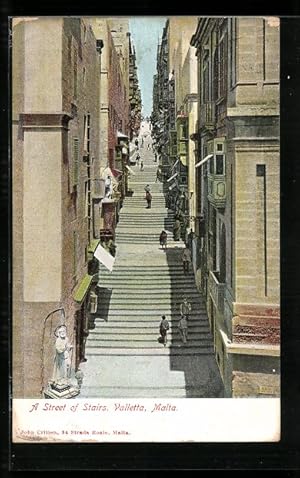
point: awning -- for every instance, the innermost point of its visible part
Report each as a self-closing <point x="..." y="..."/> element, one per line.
<point x="176" y="162"/>
<point x="92" y="245"/>
<point x="81" y="291"/>
<point x="172" y="186"/>
<point x="204" y="160"/>
<point x="121" y="135"/>
<point x="104" y="257"/>
<point x="116" y="172"/>
<point x="130" y="170"/>
<point x="172" y="177"/>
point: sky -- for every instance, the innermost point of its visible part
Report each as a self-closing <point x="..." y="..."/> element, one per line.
<point x="145" y="33"/>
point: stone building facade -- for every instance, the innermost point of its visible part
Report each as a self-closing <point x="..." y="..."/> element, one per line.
<point x="175" y="112"/>
<point x="55" y="170"/>
<point x="114" y="116"/>
<point x="237" y="189"/>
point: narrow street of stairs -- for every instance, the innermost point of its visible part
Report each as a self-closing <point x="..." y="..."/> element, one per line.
<point x="124" y="357"/>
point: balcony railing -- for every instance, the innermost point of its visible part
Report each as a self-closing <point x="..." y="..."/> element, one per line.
<point x="217" y="290"/>
<point x="207" y="115"/>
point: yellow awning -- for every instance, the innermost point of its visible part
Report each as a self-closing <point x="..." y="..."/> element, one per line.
<point x="92" y="245"/>
<point x="81" y="291"/>
<point x="183" y="160"/>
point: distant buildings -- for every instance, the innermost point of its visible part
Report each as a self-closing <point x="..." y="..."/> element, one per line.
<point x="231" y="194"/>
<point x="71" y="127"/>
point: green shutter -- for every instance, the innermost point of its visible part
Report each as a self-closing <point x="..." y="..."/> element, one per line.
<point x="75" y="160"/>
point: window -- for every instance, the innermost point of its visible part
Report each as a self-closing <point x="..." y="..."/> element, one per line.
<point x="232" y="47"/>
<point x="222" y="70"/>
<point x="220" y="164"/>
<point x="206" y="82"/>
<point x="84" y="76"/>
<point x="75" y="160"/>
<point x="74" y="253"/>
<point x="75" y="75"/>
<point x="86" y="199"/>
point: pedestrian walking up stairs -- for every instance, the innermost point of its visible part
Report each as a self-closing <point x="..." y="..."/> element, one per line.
<point x="124" y="357"/>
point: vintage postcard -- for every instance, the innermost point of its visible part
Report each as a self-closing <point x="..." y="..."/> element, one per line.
<point x="146" y="251"/>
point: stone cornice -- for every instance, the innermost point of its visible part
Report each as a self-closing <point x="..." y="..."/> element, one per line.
<point x="45" y="120"/>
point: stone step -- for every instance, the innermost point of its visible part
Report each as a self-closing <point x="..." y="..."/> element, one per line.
<point x="150" y="336"/>
<point x="157" y="225"/>
<point x="141" y="295"/>
<point x="139" y="239"/>
<point x="167" y="211"/>
<point x="145" y="344"/>
<point x="142" y="205"/>
<point x="141" y="267"/>
<point x="173" y="278"/>
<point x="180" y="350"/>
<point x="145" y="320"/>
<point x="116" y="327"/>
<point x="179" y="281"/>
<point x="147" y="272"/>
<point x="129" y="312"/>
<point x="143" y="302"/>
<point x="138" y="199"/>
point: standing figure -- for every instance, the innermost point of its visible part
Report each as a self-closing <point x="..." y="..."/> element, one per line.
<point x="155" y="157"/>
<point x="163" y="329"/>
<point x="108" y="187"/>
<point x="138" y="159"/>
<point x="157" y="175"/>
<point x="190" y="238"/>
<point x="185" y="308"/>
<point x="176" y="229"/>
<point x="148" y="199"/>
<point x="163" y="239"/>
<point x="183" y="329"/>
<point x="142" y="165"/>
<point x="186" y="260"/>
<point x="62" y="360"/>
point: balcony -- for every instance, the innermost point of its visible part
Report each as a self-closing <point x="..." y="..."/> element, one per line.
<point x="217" y="191"/>
<point x="99" y="188"/>
<point x="216" y="290"/>
<point x="207" y="115"/>
<point x="182" y="147"/>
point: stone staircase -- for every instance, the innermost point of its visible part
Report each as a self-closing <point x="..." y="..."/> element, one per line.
<point x="124" y="356"/>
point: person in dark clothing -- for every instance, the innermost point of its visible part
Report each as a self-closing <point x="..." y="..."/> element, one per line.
<point x="163" y="239"/>
<point x="148" y="199"/>
<point x="183" y="328"/>
<point x="186" y="260"/>
<point x="190" y="239"/>
<point x="163" y="329"/>
<point x="177" y="230"/>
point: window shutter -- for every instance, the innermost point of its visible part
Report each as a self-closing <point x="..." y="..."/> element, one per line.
<point x="75" y="160"/>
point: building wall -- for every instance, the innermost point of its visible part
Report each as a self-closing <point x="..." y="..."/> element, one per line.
<point x="246" y="321"/>
<point x="52" y="208"/>
<point x="18" y="329"/>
